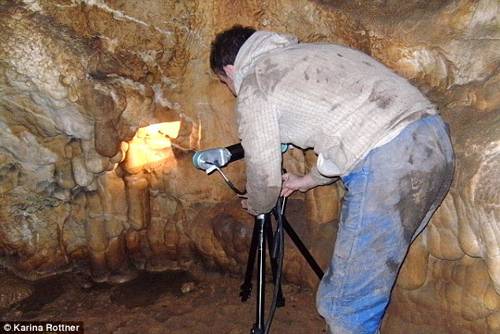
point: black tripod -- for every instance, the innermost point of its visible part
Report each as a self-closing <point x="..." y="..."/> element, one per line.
<point x="262" y="230"/>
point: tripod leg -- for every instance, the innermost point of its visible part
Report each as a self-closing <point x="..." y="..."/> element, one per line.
<point x="302" y="248"/>
<point x="270" y="244"/>
<point x="246" y="287"/>
<point x="259" y="326"/>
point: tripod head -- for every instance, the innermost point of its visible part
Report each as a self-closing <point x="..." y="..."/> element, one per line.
<point x="215" y="158"/>
<point x="208" y="160"/>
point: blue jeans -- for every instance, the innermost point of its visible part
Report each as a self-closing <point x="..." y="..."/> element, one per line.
<point x="390" y="197"/>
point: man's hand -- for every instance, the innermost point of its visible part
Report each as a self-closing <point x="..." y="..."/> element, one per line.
<point x="292" y="182"/>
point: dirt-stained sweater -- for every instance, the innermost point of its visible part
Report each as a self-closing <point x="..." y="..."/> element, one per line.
<point x="334" y="99"/>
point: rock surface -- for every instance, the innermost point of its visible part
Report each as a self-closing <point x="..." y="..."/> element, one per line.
<point x="81" y="80"/>
<point x="145" y="306"/>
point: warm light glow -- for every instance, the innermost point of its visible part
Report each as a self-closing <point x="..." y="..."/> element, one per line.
<point x="151" y="146"/>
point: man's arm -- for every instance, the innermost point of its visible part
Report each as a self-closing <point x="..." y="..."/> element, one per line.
<point x="260" y="138"/>
<point x="318" y="178"/>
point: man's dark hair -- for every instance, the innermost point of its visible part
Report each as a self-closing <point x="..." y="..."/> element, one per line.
<point x="226" y="45"/>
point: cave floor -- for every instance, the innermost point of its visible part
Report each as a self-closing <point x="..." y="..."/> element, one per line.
<point x="167" y="302"/>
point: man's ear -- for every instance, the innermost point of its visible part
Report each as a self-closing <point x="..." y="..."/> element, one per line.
<point x="230" y="71"/>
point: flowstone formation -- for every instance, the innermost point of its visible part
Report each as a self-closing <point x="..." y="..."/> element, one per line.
<point x="102" y="103"/>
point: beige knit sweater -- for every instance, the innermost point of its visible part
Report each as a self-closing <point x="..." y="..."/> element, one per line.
<point x="336" y="100"/>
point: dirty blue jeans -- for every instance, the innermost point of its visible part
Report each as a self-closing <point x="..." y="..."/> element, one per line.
<point x="390" y="197"/>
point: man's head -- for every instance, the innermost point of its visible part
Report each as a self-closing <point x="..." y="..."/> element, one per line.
<point x="224" y="50"/>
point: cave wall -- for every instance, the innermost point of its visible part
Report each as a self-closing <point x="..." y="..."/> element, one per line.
<point x="78" y="79"/>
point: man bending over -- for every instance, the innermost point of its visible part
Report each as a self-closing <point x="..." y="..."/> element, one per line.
<point x="368" y="126"/>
